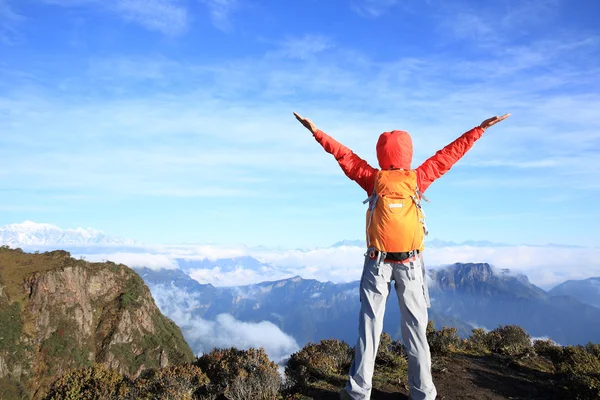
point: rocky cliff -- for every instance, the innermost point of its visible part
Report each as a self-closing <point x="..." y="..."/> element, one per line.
<point x="57" y="313"/>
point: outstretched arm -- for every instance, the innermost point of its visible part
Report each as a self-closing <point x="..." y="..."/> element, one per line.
<point x="353" y="166"/>
<point x="440" y="163"/>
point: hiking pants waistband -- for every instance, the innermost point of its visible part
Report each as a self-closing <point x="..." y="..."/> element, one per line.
<point x="394" y="257"/>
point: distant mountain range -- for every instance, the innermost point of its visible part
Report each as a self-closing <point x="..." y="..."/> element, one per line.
<point x="33" y="234"/>
<point x="586" y="290"/>
<point x="482" y="296"/>
<point x="463" y="295"/>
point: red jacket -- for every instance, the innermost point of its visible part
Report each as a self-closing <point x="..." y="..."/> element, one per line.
<point x="394" y="150"/>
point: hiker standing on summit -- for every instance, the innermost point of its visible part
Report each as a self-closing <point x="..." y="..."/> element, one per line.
<point x="396" y="233"/>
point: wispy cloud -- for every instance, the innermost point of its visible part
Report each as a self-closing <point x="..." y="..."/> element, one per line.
<point x="134" y="260"/>
<point x="494" y="23"/>
<point x="169" y="17"/>
<point x="373" y="8"/>
<point x="304" y="47"/>
<point x="220" y="12"/>
<point x="166" y="16"/>
<point x="168" y="120"/>
<point x="9" y="19"/>
<point x="165" y="124"/>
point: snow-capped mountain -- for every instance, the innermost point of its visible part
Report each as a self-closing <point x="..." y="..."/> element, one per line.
<point x="33" y="234"/>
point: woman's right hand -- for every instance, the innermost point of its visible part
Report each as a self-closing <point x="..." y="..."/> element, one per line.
<point x="308" y="124"/>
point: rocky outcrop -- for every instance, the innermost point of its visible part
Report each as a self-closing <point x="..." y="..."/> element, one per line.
<point x="58" y="313"/>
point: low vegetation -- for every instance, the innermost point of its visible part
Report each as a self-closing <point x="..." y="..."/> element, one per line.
<point x="319" y="370"/>
<point x="97" y="382"/>
<point x="241" y="374"/>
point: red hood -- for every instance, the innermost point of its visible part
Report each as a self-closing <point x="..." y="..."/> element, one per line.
<point x="394" y="150"/>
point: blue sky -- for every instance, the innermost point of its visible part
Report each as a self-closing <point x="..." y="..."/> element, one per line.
<point x="170" y="121"/>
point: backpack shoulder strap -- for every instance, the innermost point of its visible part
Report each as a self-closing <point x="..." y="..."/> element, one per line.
<point x="420" y="195"/>
<point x="374" y="194"/>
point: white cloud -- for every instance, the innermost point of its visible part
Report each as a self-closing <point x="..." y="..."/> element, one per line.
<point x="134" y="260"/>
<point x="169" y="17"/>
<point x="468" y="24"/>
<point x="225" y="331"/>
<point x="225" y="129"/>
<point x="546" y="266"/>
<point x="131" y="68"/>
<point x="373" y="8"/>
<point x="9" y="19"/>
<point x="220" y="12"/>
<point x="166" y="16"/>
<point x="304" y="47"/>
<point x="238" y="276"/>
<point x="200" y="251"/>
<point x="493" y="24"/>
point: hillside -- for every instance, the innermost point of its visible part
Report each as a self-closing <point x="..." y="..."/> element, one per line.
<point x="57" y="313"/>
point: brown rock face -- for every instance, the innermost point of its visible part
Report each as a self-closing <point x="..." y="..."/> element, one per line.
<point x="58" y="313"/>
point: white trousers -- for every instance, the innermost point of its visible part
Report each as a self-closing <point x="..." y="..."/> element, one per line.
<point x="413" y="297"/>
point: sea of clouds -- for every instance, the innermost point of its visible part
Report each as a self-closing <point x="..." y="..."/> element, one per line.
<point x="224" y="331"/>
<point x="546" y="266"/>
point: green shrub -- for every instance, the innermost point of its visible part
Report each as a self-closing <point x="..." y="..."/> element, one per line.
<point x="90" y="383"/>
<point x="444" y="341"/>
<point x="177" y="382"/>
<point x="546" y="348"/>
<point x="579" y="369"/>
<point x="61" y="351"/>
<point x="593" y="349"/>
<point x="318" y="361"/>
<point x="11" y="329"/>
<point x="11" y="389"/>
<point x="509" y="340"/>
<point x="241" y="374"/>
<point x="390" y="354"/>
<point x="478" y="341"/>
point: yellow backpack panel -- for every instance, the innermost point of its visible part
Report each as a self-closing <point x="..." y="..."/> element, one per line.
<point x="395" y="219"/>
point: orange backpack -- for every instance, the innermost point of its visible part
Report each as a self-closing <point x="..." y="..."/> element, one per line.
<point x="395" y="218"/>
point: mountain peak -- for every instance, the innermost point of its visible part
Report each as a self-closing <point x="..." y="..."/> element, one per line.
<point x="485" y="279"/>
<point x="474" y="271"/>
<point x="30" y="233"/>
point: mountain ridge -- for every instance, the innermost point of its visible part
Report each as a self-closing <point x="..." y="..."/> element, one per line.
<point x="585" y="290"/>
<point x="464" y="295"/>
<point x="57" y="313"/>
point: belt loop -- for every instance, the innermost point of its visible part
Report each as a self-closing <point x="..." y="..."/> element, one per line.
<point x="382" y="256"/>
<point x="411" y="273"/>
